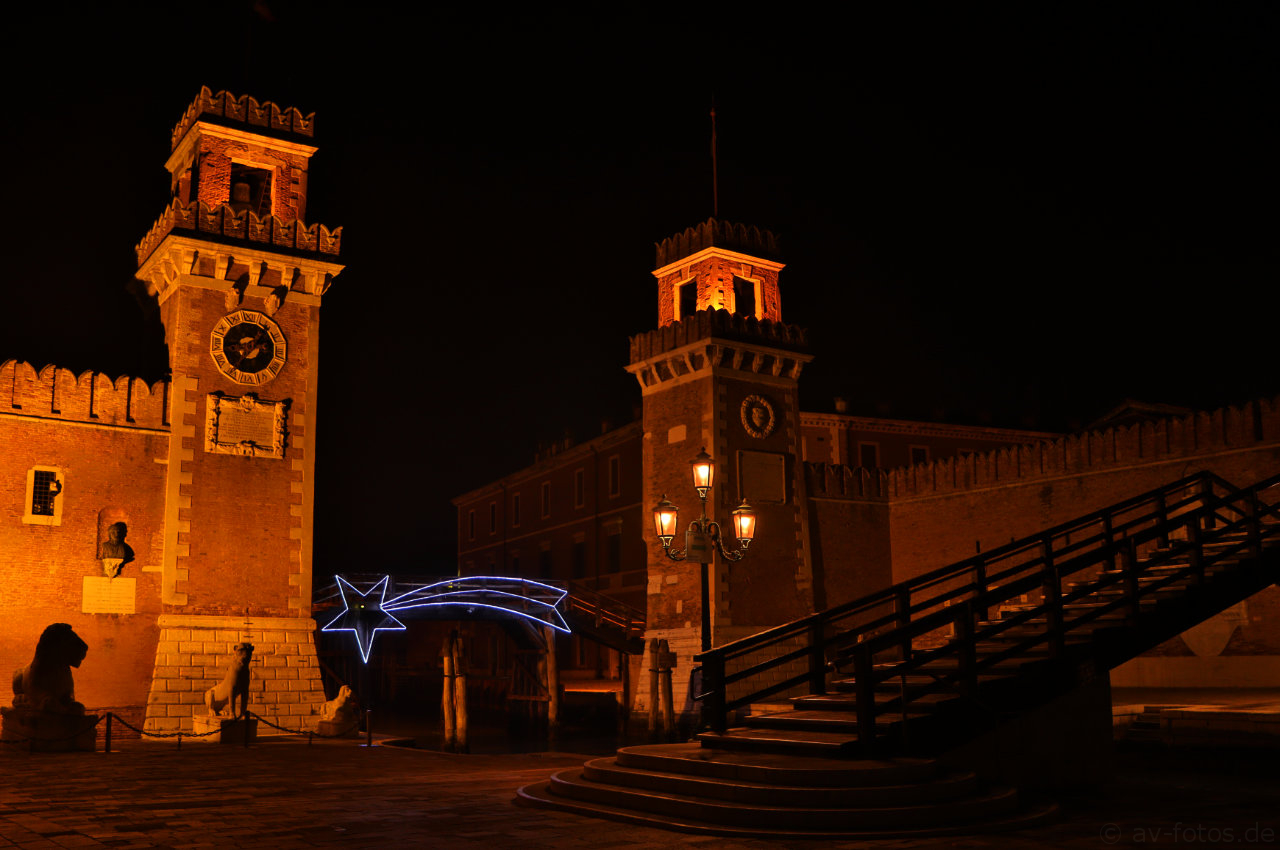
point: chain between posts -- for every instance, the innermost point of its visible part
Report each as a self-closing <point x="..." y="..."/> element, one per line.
<point x="16" y="739"/>
<point x="27" y="739"/>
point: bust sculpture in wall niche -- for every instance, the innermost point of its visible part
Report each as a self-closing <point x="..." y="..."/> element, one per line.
<point x="115" y="553"/>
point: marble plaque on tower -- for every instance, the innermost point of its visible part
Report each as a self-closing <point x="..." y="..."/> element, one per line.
<point x="108" y="595"/>
<point x="244" y="426"/>
<point x="762" y="477"/>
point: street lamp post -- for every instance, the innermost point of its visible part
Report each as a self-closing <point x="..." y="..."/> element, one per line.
<point x="702" y="539"/>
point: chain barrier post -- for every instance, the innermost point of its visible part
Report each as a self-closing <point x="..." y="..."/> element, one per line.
<point x="107" y="738"/>
<point x="368" y="727"/>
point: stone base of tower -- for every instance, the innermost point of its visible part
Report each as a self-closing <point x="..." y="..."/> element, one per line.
<point x="195" y="650"/>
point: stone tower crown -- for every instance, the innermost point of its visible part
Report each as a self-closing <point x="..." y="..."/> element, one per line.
<point x="718" y="265"/>
<point x="248" y="155"/>
<point x="238" y="172"/>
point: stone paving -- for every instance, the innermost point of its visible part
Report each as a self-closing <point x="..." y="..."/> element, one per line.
<point x="286" y="794"/>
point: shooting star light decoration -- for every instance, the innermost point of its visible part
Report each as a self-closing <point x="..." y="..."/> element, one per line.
<point x="518" y="597"/>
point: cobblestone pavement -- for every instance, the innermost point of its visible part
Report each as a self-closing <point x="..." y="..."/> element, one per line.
<point x="286" y="794"/>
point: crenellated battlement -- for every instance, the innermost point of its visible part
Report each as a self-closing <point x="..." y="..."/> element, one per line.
<point x="714" y="233"/>
<point x="246" y="110"/>
<point x="225" y="222"/>
<point x="835" y="480"/>
<point x="719" y="323"/>
<point x="1201" y="433"/>
<point x="57" y="393"/>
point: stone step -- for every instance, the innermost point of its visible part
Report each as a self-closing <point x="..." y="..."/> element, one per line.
<point x="539" y="795"/>
<point x="698" y="760"/>
<point x="816" y="720"/>
<point x="747" y="792"/>
<point x="785" y="741"/>
<point x="884" y="697"/>
<point x="573" y="785"/>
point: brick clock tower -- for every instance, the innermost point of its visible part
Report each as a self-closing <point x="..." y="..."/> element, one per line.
<point x="721" y="372"/>
<point x="238" y="278"/>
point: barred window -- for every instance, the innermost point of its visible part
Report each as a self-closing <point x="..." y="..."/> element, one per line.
<point x="43" y="503"/>
<point x="46" y="488"/>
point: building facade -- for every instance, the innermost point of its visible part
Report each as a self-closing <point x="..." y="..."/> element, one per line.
<point x="849" y="505"/>
<point x="202" y="482"/>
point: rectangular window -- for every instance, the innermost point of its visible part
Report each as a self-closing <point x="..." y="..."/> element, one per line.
<point x="615" y="553"/>
<point x="43" y="502"/>
<point x="515" y="565"/>
<point x="579" y="488"/>
<point x="493" y="517"/>
<point x="580" y="559"/>
<point x="919" y="454"/>
<point x="744" y="297"/>
<point x="515" y="510"/>
<point x="615" y="476"/>
<point x="546" y="499"/>
<point x="544" y="563"/>
<point x="471" y="525"/>
<point x="869" y="455"/>
<point x="687" y="299"/>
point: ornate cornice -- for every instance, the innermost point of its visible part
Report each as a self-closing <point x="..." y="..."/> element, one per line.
<point x="718" y="357"/>
<point x="179" y="255"/>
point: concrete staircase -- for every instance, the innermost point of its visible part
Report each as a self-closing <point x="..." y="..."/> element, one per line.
<point x="758" y="793"/>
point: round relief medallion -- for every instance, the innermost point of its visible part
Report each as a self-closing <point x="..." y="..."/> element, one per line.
<point x="248" y="347"/>
<point x="757" y="416"/>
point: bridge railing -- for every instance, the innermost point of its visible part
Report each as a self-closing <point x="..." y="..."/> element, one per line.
<point x="897" y="631"/>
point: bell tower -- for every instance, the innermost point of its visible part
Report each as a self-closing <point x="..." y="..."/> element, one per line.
<point x="238" y="277"/>
<point x="721" y="372"/>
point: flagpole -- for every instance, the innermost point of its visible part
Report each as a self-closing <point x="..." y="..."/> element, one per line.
<point x="715" y="186"/>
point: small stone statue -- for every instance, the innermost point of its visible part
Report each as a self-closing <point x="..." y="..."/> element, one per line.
<point x="221" y="698"/>
<point x="341" y="709"/>
<point x="340" y="715"/>
<point x="115" y="552"/>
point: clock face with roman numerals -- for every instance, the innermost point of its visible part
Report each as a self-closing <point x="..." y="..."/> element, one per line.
<point x="248" y="347"/>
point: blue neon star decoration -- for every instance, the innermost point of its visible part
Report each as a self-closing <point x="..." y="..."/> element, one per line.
<point x="518" y="597"/>
<point x="363" y="615"/>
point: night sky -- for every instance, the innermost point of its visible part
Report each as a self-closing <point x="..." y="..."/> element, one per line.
<point x="1018" y="215"/>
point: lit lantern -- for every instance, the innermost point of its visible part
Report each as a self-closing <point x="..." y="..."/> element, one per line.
<point x="704" y="472"/>
<point x="664" y="521"/>
<point x="744" y="524"/>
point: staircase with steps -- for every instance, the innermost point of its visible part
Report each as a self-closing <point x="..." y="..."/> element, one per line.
<point x="929" y="667"/>
<point x="691" y="788"/>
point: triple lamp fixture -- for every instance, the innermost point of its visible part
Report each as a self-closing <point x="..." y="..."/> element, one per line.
<point x="703" y="534"/>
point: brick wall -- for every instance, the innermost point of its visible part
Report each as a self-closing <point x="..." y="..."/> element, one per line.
<point x="109" y="444"/>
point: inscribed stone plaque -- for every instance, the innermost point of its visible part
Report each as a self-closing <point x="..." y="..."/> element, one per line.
<point x="104" y="595"/>
<point x="762" y="476"/>
<point x="244" y="426"/>
<point x="236" y="425"/>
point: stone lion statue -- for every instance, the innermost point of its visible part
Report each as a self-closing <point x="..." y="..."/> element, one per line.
<point x="45" y="684"/>
<point x="221" y="698"/>
<point x="340" y="709"/>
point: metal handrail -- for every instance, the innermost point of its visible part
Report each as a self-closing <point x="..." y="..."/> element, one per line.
<point x="966" y="590"/>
